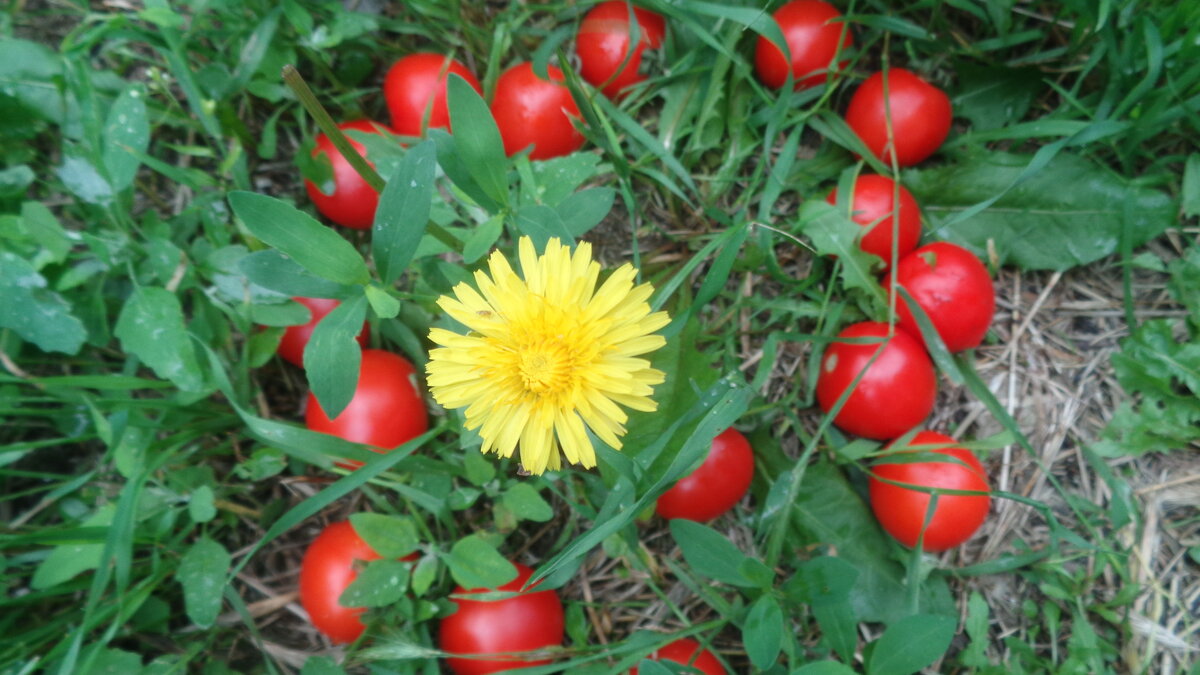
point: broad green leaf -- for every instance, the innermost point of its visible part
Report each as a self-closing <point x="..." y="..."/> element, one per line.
<point x="126" y="136"/>
<point x="456" y="169"/>
<point x="483" y="238"/>
<point x="476" y="564"/>
<point x="541" y="224"/>
<point x="381" y="583"/>
<point x="27" y="70"/>
<point x="1191" y="186"/>
<point x="1069" y="213"/>
<point x="709" y="552"/>
<point x="823" y="668"/>
<point x="202" y="574"/>
<point x="403" y="211"/>
<point x="763" y="632"/>
<point x="274" y="270"/>
<point x="477" y="139"/>
<point x="424" y="574"/>
<point x="384" y="304"/>
<point x="200" y="505"/>
<point x="389" y="536"/>
<point x="993" y="96"/>
<point x="321" y="665"/>
<point x="583" y="210"/>
<point x="315" y="247"/>
<point x="825" y="583"/>
<point x="15" y="180"/>
<point x="85" y="181"/>
<point x="151" y="327"/>
<point x="554" y="180"/>
<point x="910" y="644"/>
<point x="69" y="559"/>
<point x="283" y="314"/>
<point x="828" y="511"/>
<point x="333" y="357"/>
<point x="975" y="654"/>
<point x="33" y="311"/>
<point x="833" y="233"/>
<point x="526" y="503"/>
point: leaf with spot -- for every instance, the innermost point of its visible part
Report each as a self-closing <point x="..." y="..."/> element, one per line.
<point x="33" y="311"/>
<point x="151" y="327"/>
<point x="202" y="574"/>
<point x="381" y="583"/>
<point x="126" y="136"/>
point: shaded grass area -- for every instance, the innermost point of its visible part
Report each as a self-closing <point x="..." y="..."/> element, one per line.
<point x="113" y="470"/>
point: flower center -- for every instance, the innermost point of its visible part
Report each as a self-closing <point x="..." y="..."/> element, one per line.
<point x="546" y="368"/>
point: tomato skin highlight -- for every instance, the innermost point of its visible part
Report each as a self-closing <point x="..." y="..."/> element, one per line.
<point x="537" y="112"/>
<point x="353" y="201"/>
<point x="716" y="486"/>
<point x="681" y="651"/>
<point x="529" y="621"/>
<point x="920" y="116"/>
<point x="954" y="290"/>
<point x="603" y="45"/>
<point x="386" y="411"/>
<point x="417" y="82"/>
<point x="901" y="510"/>
<point x="812" y="31"/>
<point x="873" y="203"/>
<point x="295" y="338"/>
<point x="325" y="572"/>
<point x="895" y="394"/>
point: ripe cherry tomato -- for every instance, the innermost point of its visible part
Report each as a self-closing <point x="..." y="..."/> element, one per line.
<point x="716" y="485"/>
<point x="387" y="409"/>
<point x="295" y="338"/>
<point x="325" y="572"/>
<point x="603" y="45"/>
<point x="529" y="621"/>
<point x="415" y="87"/>
<point x="872" y="207"/>
<point x="901" y="510"/>
<point x="895" y="393"/>
<point x="920" y="114"/>
<point x="954" y="290"/>
<point x="352" y="203"/>
<point x="684" y="652"/>
<point x="812" y="31"/>
<point x="537" y="112"/>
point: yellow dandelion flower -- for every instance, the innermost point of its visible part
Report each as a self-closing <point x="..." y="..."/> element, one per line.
<point x="548" y="356"/>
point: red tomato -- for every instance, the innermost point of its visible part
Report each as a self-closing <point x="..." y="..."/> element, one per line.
<point x="525" y="622"/>
<point x="716" y="485"/>
<point x="920" y="115"/>
<point x="387" y="409"/>
<point x="895" y="393"/>
<point x="415" y="87"/>
<point x="326" y="571"/>
<point x="954" y="290"/>
<point x="537" y="112"/>
<point x="603" y="45"/>
<point x="684" y="652"/>
<point x="295" y="338"/>
<point x="812" y="31"/>
<point x="352" y="203"/>
<point x="873" y="205"/>
<point x="901" y="510"/>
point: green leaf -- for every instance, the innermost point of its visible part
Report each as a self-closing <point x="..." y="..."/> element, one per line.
<point x="823" y="668"/>
<point x="479" y="469"/>
<point x="69" y="559"/>
<point x="380" y="583"/>
<point x="126" y="136"/>
<point x="424" y="574"/>
<point x="384" y="304"/>
<point x="274" y="270"/>
<point x="390" y="536"/>
<point x="333" y="357"/>
<point x="478" y="139"/>
<point x="403" y="211"/>
<point x="202" y="574"/>
<point x="27" y="70"/>
<point x="1191" y="186"/>
<point x="554" y="180"/>
<point x="825" y="583"/>
<point x="483" y="238"/>
<point x="541" y="224"/>
<point x="763" y="632"/>
<point x="1069" y="213"/>
<point x="39" y="222"/>
<point x="34" y="312"/>
<point x="526" y="504"/>
<point x="833" y="233"/>
<point x="830" y="512"/>
<point x="151" y="327"/>
<point x="297" y="235"/>
<point x="993" y="96"/>
<point x="321" y="665"/>
<point x="709" y="553"/>
<point x="15" y="180"/>
<point x="85" y="181"/>
<point x="975" y="655"/>
<point x="474" y="563"/>
<point x="200" y="505"/>
<point x="911" y="644"/>
<point x="583" y="210"/>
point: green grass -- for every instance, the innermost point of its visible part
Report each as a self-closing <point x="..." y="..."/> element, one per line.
<point x="140" y="472"/>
